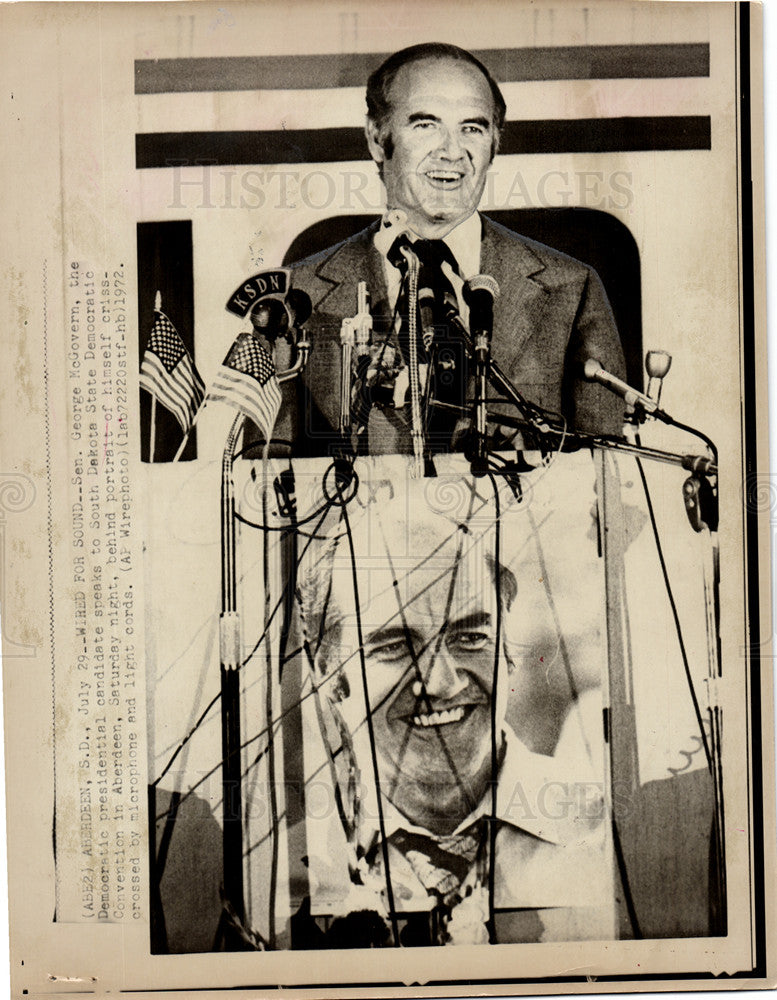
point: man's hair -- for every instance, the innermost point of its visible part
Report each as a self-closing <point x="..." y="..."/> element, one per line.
<point x="379" y="83"/>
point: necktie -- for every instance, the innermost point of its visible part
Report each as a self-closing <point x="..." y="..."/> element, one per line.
<point x="441" y="865"/>
<point x="442" y="347"/>
<point x="437" y="299"/>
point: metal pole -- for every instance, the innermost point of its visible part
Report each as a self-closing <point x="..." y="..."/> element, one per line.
<point x="229" y="643"/>
<point x="619" y="712"/>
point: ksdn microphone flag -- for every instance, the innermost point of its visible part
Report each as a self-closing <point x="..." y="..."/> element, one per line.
<point x="168" y="372"/>
<point x="247" y="382"/>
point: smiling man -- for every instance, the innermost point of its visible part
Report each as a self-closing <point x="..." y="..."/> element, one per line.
<point x="448" y="823"/>
<point x="434" y="119"/>
<point x="430" y="663"/>
<point x="433" y="128"/>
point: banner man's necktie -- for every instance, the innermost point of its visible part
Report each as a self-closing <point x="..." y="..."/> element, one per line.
<point x="441" y="865"/>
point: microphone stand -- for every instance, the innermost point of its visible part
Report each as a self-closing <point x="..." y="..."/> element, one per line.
<point x="577" y="440"/>
<point x="355" y="339"/>
<point x="535" y="416"/>
<point x="347" y="341"/>
<point x="229" y="655"/>
<point x="416" y="421"/>
<point x="482" y="351"/>
<point x="232" y="930"/>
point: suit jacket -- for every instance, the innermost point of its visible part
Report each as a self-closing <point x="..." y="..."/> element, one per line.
<point x="551" y="315"/>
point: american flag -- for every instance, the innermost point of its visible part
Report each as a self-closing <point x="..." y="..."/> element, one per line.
<point x="246" y="380"/>
<point x="169" y="374"/>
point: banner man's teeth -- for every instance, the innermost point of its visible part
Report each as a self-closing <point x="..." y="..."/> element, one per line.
<point x="440" y="718"/>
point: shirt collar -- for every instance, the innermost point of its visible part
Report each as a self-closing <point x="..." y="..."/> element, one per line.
<point x="463" y="242"/>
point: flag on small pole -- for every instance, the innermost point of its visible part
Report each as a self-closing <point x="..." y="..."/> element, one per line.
<point x="247" y="381"/>
<point x="168" y="372"/>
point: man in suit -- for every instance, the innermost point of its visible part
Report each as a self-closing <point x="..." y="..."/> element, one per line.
<point x="433" y="126"/>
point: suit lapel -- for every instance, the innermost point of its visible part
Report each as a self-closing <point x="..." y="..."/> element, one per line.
<point x="333" y="289"/>
<point x="523" y="296"/>
<point x="355" y="260"/>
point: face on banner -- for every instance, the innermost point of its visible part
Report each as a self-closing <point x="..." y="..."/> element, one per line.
<point x="437" y="143"/>
<point x="431" y="646"/>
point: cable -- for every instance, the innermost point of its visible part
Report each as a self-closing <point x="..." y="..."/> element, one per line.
<point x="494" y="690"/>
<point x="691" y="430"/>
<point x="628" y="897"/>
<point x="216" y="697"/>
<point x="279" y="602"/>
<point x="379" y="704"/>
<point x="417" y="430"/>
<point x="574" y="693"/>
<point x="285" y="528"/>
<point x="675" y="615"/>
<point x="186" y="738"/>
<point x="370" y="727"/>
<point x="295" y="705"/>
<point x="167" y="833"/>
<point x="330" y="753"/>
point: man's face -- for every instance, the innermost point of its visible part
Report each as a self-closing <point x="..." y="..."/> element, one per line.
<point x="430" y="678"/>
<point x="436" y="144"/>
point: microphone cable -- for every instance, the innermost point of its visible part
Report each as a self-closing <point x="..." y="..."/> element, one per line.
<point x="492" y="820"/>
<point x="371" y="730"/>
<point x="675" y="614"/>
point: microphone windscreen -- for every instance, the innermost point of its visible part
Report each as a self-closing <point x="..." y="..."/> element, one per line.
<point x="395" y="255"/>
<point x="299" y="306"/>
<point x="480" y="283"/>
<point x="268" y="315"/>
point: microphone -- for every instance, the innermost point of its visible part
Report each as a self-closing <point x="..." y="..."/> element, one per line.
<point x="594" y="372"/>
<point x="395" y="253"/>
<point x="479" y="294"/>
<point x="355" y="340"/>
<point x="298" y="306"/>
<point x="273" y="317"/>
<point x="269" y="318"/>
<point x="297" y="311"/>
<point x="426" y="312"/>
<point x="536" y="416"/>
<point x="657" y="364"/>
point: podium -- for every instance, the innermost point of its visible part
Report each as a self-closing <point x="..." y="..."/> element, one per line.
<point x="612" y="663"/>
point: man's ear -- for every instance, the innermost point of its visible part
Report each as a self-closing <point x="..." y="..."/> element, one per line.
<point x="374" y="141"/>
